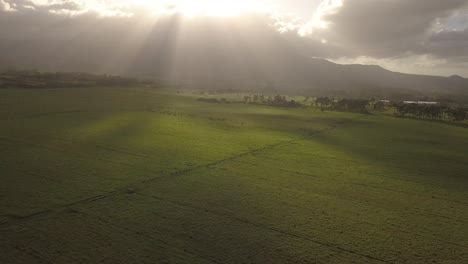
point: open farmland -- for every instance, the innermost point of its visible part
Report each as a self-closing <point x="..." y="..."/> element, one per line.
<point x="100" y="175"/>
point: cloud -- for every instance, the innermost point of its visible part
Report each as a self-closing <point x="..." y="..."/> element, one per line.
<point x="421" y="35"/>
<point x="392" y="31"/>
<point x="451" y="44"/>
<point x="382" y="28"/>
<point x="45" y="6"/>
<point x="5" y="6"/>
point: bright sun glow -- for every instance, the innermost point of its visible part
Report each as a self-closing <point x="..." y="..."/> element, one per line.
<point x="202" y="7"/>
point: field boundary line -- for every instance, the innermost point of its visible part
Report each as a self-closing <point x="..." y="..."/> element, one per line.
<point x="122" y="189"/>
<point x="460" y="219"/>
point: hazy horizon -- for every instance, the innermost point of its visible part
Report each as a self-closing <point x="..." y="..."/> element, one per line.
<point x="421" y="37"/>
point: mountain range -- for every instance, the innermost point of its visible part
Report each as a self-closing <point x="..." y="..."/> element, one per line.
<point x="217" y="56"/>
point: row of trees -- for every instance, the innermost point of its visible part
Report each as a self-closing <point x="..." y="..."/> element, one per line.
<point x="278" y="100"/>
<point x="36" y="79"/>
<point x="431" y="112"/>
<point x="352" y="105"/>
<point x="361" y="105"/>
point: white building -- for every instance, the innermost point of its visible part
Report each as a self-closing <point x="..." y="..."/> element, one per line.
<point x="421" y="103"/>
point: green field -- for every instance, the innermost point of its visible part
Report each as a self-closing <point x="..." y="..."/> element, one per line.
<point x="101" y="175"/>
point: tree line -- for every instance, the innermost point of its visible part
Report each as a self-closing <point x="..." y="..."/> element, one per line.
<point x="277" y="100"/>
<point x="345" y="104"/>
<point x="437" y="112"/>
<point x="36" y="79"/>
<point x="353" y="105"/>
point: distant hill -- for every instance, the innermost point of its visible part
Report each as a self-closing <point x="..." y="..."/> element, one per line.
<point x="222" y="55"/>
<point x="267" y="62"/>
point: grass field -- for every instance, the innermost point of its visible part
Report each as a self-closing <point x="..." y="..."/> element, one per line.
<point x="146" y="176"/>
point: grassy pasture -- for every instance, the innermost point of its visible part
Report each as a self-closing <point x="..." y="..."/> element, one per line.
<point x="145" y="176"/>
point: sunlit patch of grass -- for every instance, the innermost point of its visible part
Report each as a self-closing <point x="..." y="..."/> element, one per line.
<point x="176" y="179"/>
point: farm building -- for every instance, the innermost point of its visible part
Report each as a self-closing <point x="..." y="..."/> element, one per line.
<point x="421" y="103"/>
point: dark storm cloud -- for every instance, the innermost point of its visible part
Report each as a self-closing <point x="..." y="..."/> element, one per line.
<point x="387" y="28"/>
<point x="449" y="43"/>
<point x="66" y="33"/>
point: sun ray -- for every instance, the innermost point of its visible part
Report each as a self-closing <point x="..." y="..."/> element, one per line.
<point x="190" y="8"/>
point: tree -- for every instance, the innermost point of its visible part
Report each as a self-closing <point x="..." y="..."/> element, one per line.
<point x="255" y="98"/>
<point x="323" y="101"/>
<point x="262" y="98"/>
<point x="354" y="105"/>
<point x="433" y="111"/>
<point x="280" y="100"/>
<point x="379" y="106"/>
<point x="458" y="114"/>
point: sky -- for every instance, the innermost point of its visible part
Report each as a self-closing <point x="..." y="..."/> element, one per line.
<point x="417" y="36"/>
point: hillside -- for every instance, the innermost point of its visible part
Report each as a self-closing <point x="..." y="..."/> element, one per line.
<point x="221" y="55"/>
